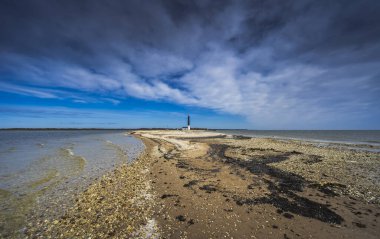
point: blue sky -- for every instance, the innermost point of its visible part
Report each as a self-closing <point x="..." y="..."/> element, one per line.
<point x="28" y="111"/>
<point x="230" y="64"/>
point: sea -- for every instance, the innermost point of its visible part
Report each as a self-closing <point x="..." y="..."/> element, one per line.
<point x="42" y="169"/>
<point x="354" y="139"/>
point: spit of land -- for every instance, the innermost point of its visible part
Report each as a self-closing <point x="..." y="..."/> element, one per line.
<point x="203" y="184"/>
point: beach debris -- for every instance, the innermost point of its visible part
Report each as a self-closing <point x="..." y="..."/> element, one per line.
<point x="208" y="188"/>
<point x="190" y="183"/>
<point x="181" y="218"/>
<point x="168" y="195"/>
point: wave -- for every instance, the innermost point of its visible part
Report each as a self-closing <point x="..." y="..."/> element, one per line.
<point x="68" y="154"/>
<point x="122" y="154"/>
<point x="46" y="179"/>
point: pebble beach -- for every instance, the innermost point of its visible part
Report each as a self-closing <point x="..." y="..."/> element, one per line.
<point x="203" y="184"/>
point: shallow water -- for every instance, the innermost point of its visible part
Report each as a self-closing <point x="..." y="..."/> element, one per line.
<point x="41" y="169"/>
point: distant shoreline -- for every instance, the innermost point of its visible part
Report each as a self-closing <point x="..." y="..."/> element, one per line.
<point x="104" y="129"/>
<point x="211" y="129"/>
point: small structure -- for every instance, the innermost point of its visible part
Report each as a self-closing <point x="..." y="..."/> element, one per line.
<point x="188" y="122"/>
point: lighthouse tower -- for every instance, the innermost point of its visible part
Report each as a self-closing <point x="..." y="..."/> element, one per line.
<point x="188" y="122"/>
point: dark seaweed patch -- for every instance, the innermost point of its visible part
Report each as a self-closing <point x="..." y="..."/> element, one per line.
<point x="282" y="186"/>
<point x="240" y="137"/>
<point x="288" y="215"/>
<point x="171" y="154"/>
<point x="312" y="159"/>
<point x="208" y="188"/>
<point x="168" y="195"/>
<point x="297" y="205"/>
<point x="190" y="184"/>
<point x="329" y="188"/>
<point x="251" y="186"/>
<point x="182" y="164"/>
<point x="181" y="218"/>
<point x="360" y="225"/>
<point x="215" y="170"/>
<point x="295" y="152"/>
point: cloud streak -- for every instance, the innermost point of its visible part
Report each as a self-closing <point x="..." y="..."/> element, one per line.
<point x="280" y="64"/>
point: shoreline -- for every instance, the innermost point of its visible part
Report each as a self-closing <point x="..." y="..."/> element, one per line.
<point x="53" y="171"/>
<point x="345" y="145"/>
<point x="369" y="145"/>
<point x="102" y="210"/>
<point x="202" y="184"/>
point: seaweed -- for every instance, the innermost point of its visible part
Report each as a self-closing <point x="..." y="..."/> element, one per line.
<point x="208" y="188"/>
<point x="190" y="184"/>
<point x="282" y="186"/>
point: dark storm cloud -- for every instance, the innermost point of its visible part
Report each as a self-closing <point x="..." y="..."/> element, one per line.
<point x="260" y="59"/>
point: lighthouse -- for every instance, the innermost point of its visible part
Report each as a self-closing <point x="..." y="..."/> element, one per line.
<point x="188" y="122"/>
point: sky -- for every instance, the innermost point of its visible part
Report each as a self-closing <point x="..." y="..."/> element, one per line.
<point x="273" y="64"/>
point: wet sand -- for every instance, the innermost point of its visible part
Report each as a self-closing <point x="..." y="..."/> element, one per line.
<point x="202" y="184"/>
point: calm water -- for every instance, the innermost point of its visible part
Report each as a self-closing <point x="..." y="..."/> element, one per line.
<point x="40" y="169"/>
<point x="367" y="137"/>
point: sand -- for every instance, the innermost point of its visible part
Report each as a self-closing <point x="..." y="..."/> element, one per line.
<point x="202" y="184"/>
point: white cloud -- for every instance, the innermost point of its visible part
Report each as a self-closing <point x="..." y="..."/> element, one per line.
<point x="39" y="93"/>
<point x="219" y="80"/>
<point x="150" y="62"/>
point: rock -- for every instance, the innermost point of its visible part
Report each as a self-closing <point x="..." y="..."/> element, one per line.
<point x="181" y="218"/>
<point x="288" y="215"/>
